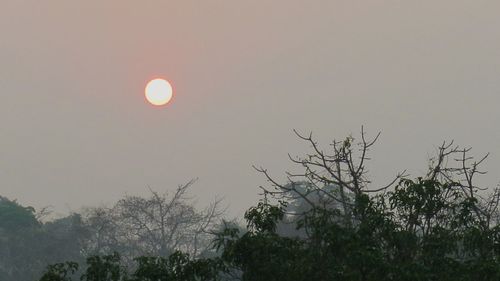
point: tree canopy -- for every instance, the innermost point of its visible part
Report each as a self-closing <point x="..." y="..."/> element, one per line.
<point x="330" y="223"/>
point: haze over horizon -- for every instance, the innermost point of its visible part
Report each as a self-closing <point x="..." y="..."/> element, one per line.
<point x="76" y="130"/>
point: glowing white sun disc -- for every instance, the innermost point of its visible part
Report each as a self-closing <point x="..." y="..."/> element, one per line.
<point x="158" y="91"/>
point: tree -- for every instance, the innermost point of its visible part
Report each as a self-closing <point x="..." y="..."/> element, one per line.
<point x="343" y="168"/>
<point x="440" y="226"/>
<point x="177" y="267"/>
<point x="157" y="225"/>
<point x="27" y="245"/>
<point x="435" y="227"/>
<point x="17" y="224"/>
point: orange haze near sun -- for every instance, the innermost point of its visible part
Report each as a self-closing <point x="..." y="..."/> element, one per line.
<point x="158" y="92"/>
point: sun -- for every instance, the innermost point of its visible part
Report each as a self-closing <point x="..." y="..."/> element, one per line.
<point x="158" y="92"/>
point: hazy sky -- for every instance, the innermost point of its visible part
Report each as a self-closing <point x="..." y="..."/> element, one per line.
<point x="75" y="129"/>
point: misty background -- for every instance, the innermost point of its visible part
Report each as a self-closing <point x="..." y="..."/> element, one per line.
<point x="76" y="131"/>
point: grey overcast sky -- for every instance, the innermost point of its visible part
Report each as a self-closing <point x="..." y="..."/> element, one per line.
<point x="75" y="129"/>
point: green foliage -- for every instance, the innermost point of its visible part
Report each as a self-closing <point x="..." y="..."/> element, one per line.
<point x="422" y="230"/>
<point x="432" y="228"/>
<point x="14" y="217"/>
<point x="28" y="245"/>
<point x="104" y="268"/>
<point x="60" y="272"/>
<point x="263" y="217"/>
<point x="177" y="266"/>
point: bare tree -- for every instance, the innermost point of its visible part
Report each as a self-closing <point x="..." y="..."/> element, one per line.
<point x="336" y="178"/>
<point x="103" y="229"/>
<point x="155" y="225"/>
<point x="454" y="165"/>
<point x="343" y="167"/>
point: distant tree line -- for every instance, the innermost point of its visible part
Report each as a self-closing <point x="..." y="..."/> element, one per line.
<point x="326" y="223"/>
<point x="156" y="225"/>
